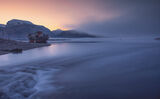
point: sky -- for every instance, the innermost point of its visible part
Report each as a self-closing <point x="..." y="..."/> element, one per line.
<point x="94" y="16"/>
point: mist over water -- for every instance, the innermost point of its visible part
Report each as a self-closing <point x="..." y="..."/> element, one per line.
<point x="110" y="64"/>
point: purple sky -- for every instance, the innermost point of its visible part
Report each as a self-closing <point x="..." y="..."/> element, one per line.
<point x="94" y="16"/>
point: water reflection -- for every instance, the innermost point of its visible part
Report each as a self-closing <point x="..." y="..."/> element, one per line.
<point x="34" y="54"/>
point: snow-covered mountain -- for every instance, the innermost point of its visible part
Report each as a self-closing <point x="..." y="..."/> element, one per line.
<point x="2" y="25"/>
<point x="71" y="34"/>
<point x="20" y="29"/>
<point x="15" y="22"/>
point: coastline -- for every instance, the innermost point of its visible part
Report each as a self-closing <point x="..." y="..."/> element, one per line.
<point x="7" y="45"/>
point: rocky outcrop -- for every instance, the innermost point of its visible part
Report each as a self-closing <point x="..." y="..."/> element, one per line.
<point x="11" y="46"/>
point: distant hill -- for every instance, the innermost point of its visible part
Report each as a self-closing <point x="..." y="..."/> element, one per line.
<point x="19" y="29"/>
<point x="56" y="32"/>
<point x="71" y="34"/>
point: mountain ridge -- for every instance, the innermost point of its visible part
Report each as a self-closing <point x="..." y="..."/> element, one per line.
<point x="19" y="29"/>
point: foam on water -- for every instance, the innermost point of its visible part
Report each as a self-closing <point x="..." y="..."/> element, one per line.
<point x="44" y="80"/>
<point x="25" y="82"/>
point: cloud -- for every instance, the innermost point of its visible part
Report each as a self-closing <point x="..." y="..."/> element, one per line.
<point x="95" y="16"/>
<point x="137" y="17"/>
<point x="56" y="12"/>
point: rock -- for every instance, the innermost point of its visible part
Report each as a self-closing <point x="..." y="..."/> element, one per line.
<point x="3" y="95"/>
<point x="17" y="96"/>
<point x="28" y="92"/>
<point x="17" y="50"/>
<point x="157" y="38"/>
<point x="29" y="82"/>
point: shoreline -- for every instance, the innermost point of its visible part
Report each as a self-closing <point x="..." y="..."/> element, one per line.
<point x="7" y="45"/>
<point x="100" y="73"/>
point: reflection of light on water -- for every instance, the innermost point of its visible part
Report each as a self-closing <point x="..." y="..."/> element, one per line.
<point x="51" y="49"/>
<point x="34" y="54"/>
<point x="55" y="49"/>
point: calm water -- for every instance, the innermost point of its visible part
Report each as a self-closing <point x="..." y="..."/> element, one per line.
<point x="54" y="50"/>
